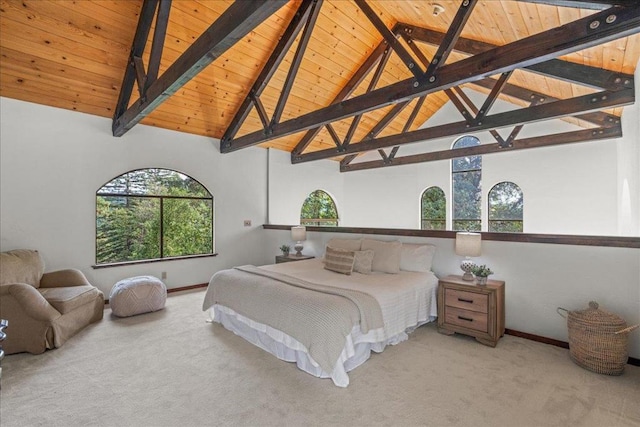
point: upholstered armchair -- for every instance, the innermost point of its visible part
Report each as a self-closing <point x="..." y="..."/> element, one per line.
<point x="44" y="310"/>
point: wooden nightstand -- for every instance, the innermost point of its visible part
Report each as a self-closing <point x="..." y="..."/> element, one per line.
<point x="473" y="310"/>
<point x="290" y="258"/>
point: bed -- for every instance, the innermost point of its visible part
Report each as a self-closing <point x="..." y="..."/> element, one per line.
<point x="326" y="322"/>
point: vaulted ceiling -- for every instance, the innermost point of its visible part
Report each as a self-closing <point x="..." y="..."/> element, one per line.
<point x="326" y="79"/>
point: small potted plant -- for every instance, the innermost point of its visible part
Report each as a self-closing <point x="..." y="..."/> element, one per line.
<point x="481" y="272"/>
<point x="285" y="249"/>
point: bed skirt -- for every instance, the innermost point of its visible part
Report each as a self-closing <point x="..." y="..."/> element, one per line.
<point x="357" y="350"/>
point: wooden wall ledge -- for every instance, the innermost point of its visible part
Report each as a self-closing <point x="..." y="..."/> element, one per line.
<point x="556" y="239"/>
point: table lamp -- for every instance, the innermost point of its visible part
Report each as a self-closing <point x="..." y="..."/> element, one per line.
<point x="298" y="234"/>
<point x="468" y="245"/>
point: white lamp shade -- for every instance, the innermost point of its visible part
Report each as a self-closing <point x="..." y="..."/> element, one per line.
<point x="468" y="244"/>
<point x="299" y="233"/>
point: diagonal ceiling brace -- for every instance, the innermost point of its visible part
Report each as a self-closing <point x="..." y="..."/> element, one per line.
<point x="235" y="22"/>
<point x="159" y="35"/>
<point x="378" y="54"/>
<point x="391" y="39"/>
<point x="297" y="60"/>
<point x="135" y="72"/>
<point x="450" y="38"/>
<point x="272" y="64"/>
<point x="540" y="47"/>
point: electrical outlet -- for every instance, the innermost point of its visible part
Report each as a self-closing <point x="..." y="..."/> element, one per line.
<point x="164" y="274"/>
<point x="247" y="223"/>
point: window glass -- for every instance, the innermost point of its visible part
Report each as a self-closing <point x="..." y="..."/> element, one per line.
<point x="152" y="214"/>
<point x="466" y="185"/>
<point x="506" y="204"/>
<point x="319" y="209"/>
<point x="433" y="208"/>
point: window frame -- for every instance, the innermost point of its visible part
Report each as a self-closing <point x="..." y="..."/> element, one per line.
<point x="455" y="172"/>
<point x="316" y="221"/>
<point x="423" y="219"/>
<point x="490" y="220"/>
<point x="161" y="225"/>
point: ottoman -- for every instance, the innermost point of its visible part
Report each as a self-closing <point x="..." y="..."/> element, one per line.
<point x="137" y="295"/>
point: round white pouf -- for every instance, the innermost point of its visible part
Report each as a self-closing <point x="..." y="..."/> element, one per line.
<point x="137" y="295"/>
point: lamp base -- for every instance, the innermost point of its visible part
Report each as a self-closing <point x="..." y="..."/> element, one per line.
<point x="467" y="265"/>
<point x="298" y="247"/>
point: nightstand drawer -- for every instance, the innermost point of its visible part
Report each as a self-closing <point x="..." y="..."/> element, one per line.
<point x="468" y="319"/>
<point x="467" y="300"/>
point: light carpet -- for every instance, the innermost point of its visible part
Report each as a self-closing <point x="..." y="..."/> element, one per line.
<point x="172" y="368"/>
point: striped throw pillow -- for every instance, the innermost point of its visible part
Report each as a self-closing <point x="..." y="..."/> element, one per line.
<point x="339" y="260"/>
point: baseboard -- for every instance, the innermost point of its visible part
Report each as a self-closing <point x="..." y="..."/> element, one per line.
<point x="187" y="288"/>
<point x="182" y="288"/>
<point x="631" y="361"/>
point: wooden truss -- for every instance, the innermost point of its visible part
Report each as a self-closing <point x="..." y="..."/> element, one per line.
<point x="487" y="66"/>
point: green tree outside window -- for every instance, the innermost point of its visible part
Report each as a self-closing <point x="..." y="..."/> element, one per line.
<point x="506" y="205"/>
<point x="433" y="209"/>
<point x="319" y="209"/>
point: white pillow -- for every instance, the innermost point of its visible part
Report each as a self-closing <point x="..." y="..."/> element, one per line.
<point x="386" y="255"/>
<point x="348" y="244"/>
<point x="363" y="261"/>
<point x="414" y="257"/>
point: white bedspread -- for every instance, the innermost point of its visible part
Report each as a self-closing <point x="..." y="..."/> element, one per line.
<point x="407" y="300"/>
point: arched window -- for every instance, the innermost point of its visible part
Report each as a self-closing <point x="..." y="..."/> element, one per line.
<point x="466" y="174"/>
<point x="150" y="214"/>
<point x="505" y="208"/>
<point x="319" y="209"/>
<point x="433" y="209"/>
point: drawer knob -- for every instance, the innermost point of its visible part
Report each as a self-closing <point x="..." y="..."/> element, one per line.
<point x="465" y="318"/>
<point x="470" y="301"/>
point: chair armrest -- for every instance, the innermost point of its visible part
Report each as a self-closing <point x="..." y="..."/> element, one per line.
<point x="63" y="279"/>
<point x="30" y="300"/>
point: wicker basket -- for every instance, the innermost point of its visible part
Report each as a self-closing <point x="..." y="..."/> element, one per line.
<point x="598" y="340"/>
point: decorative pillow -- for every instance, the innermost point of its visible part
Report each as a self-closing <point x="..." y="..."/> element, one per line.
<point x="348" y="244"/>
<point x="21" y="266"/>
<point x="339" y="260"/>
<point x="386" y="255"/>
<point x="363" y="261"/>
<point x="418" y="258"/>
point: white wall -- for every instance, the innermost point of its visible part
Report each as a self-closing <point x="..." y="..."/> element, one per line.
<point x="290" y="186"/>
<point x="53" y="161"/>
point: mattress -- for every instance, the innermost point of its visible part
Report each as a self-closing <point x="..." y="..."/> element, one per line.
<point x="407" y="300"/>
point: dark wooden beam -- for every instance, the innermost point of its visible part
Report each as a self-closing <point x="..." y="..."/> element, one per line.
<point x="579" y="136"/>
<point x="585" y="75"/>
<point x="347" y="90"/>
<point x="558" y="239"/>
<point x="450" y="38"/>
<point x="157" y="45"/>
<point x="236" y="22"/>
<point x="348" y="159"/>
<point x="270" y="67"/>
<point x="597" y="118"/>
<point x="137" y="49"/>
<point x="493" y="95"/>
<point x="468" y="117"/>
<point x="297" y="60"/>
<point x="540" y="47"/>
<point x="390" y="38"/>
<point x="563" y="108"/>
<point x="372" y="84"/>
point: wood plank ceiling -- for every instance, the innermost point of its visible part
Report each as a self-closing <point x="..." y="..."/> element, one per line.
<point x="73" y="55"/>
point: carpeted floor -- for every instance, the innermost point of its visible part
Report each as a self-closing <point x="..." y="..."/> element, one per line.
<point x="172" y="368"/>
